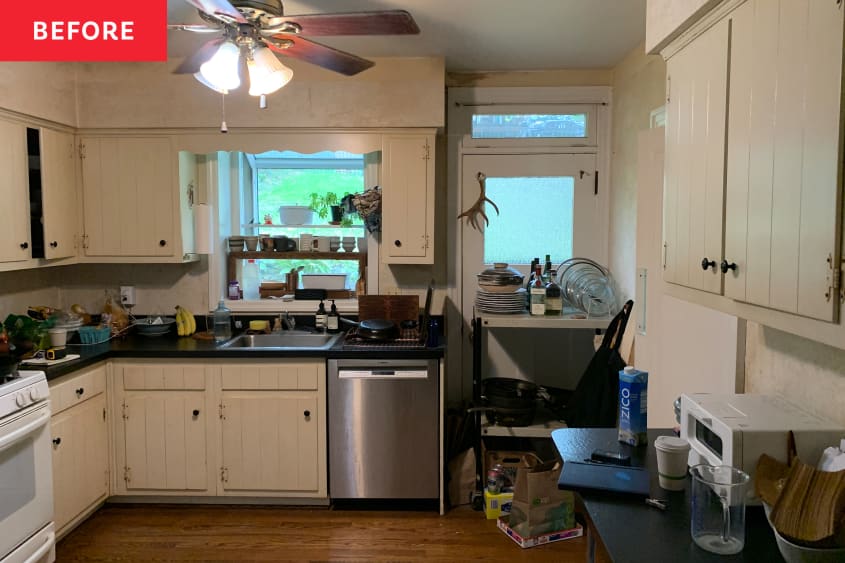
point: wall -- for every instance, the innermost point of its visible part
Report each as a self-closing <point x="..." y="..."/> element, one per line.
<point x="567" y="77"/>
<point x="396" y="92"/>
<point x="666" y="19"/>
<point x="638" y="88"/>
<point x="807" y="373"/>
<point x="45" y="90"/>
<point x="27" y="287"/>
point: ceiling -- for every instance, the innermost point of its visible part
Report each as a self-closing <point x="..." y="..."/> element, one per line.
<point x="476" y="35"/>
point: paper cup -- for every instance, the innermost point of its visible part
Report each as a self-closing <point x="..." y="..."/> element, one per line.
<point x="58" y="337"/>
<point x="672" y="455"/>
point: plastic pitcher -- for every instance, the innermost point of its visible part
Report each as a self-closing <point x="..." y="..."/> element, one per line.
<point x="717" y="521"/>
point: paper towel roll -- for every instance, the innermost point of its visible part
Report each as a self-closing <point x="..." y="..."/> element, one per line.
<point x="203" y="229"/>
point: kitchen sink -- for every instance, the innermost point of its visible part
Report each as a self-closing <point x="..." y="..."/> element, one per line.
<point x="289" y="340"/>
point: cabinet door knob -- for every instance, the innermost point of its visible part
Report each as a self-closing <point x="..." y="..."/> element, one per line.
<point x="397" y="243"/>
<point x="196" y="412"/>
<point x="54" y="244"/>
<point x="57" y="441"/>
<point x="24" y="245"/>
<point x="725" y="266"/>
<point x="80" y="391"/>
<point x="705" y="263"/>
<point x="307" y="414"/>
<point x="162" y="242"/>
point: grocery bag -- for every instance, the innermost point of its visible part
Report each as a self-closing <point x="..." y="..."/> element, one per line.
<point x="539" y="507"/>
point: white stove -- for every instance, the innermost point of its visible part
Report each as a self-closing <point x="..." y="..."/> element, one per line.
<point x="26" y="475"/>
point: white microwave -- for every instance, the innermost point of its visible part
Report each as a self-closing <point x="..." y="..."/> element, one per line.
<point x="736" y="430"/>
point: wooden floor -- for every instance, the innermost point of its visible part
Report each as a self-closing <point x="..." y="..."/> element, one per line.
<point x="223" y="533"/>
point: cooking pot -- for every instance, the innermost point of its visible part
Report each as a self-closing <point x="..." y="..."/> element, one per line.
<point x="377" y="330"/>
<point x="507" y="401"/>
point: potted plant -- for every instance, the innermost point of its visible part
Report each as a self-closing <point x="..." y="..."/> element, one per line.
<point x="328" y="207"/>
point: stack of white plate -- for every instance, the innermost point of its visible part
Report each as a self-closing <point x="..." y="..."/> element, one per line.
<point x="504" y="303"/>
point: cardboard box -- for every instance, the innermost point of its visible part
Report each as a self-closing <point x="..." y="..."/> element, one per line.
<point x="510" y="461"/>
<point x="525" y="542"/>
<point x="497" y="504"/>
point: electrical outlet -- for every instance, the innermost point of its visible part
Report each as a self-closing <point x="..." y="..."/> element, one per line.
<point x="127" y="295"/>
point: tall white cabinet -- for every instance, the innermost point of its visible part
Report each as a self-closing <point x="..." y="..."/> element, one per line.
<point x="14" y="228"/>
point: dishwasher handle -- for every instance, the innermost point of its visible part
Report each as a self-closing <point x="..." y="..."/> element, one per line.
<point x="382" y="373"/>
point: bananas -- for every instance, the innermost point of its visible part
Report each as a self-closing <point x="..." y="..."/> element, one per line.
<point x="186" y="324"/>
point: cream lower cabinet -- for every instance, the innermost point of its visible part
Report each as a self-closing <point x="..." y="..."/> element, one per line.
<point x="273" y="429"/>
<point x="254" y="428"/>
<point x="407" y="182"/>
<point x="80" y="445"/>
<point x="162" y="429"/>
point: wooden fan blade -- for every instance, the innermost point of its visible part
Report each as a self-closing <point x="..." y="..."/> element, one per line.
<point x="322" y="55"/>
<point x="218" y="8"/>
<point x="387" y="22"/>
<point x="192" y="64"/>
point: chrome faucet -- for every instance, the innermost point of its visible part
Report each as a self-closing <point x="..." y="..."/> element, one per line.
<point x="287" y="321"/>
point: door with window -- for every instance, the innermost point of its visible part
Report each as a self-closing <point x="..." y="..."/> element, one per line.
<point x="548" y="204"/>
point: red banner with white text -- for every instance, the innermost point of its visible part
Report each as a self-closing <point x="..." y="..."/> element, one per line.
<point x="85" y="30"/>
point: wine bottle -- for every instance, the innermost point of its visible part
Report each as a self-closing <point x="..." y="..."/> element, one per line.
<point x="538" y="293"/>
<point x="554" y="299"/>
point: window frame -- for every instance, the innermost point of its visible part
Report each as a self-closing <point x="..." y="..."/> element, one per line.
<point x="590" y="110"/>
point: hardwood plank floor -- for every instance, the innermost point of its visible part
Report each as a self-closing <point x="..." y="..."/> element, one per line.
<point x="250" y="533"/>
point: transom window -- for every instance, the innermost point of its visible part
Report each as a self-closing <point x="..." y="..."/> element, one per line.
<point x="523" y="126"/>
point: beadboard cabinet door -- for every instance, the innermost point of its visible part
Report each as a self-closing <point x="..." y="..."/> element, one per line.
<point x="80" y="460"/>
<point x="130" y="200"/>
<point x="784" y="155"/>
<point x="15" y="243"/>
<point x="59" y="193"/>
<point x="407" y="199"/>
<point x="695" y="160"/>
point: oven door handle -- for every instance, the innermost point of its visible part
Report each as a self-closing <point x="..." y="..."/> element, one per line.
<point x="16" y="435"/>
<point x="49" y="541"/>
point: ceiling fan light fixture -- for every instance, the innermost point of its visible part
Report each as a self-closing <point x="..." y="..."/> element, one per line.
<point x="267" y="74"/>
<point x="201" y="79"/>
<point x="220" y="72"/>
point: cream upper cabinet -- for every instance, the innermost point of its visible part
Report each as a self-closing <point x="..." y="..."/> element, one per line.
<point x="15" y="243"/>
<point x="80" y="445"/>
<point x="161" y="430"/>
<point x="407" y="182"/>
<point x="784" y="154"/>
<point x="58" y="193"/>
<point x="695" y="161"/>
<point x="273" y="433"/>
<point x="131" y="199"/>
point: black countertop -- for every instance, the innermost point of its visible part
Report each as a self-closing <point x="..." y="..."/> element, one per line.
<point x="170" y="346"/>
<point x="635" y="532"/>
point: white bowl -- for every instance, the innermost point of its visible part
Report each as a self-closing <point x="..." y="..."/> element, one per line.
<point x="296" y="215"/>
<point x="794" y="553"/>
<point x="323" y="281"/>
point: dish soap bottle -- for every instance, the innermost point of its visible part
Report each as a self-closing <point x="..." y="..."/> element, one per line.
<point x="321" y="317"/>
<point x="333" y="320"/>
<point x="222" y="323"/>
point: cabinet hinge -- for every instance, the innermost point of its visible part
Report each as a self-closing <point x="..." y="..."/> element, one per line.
<point x="127" y="474"/>
<point x="665" y="246"/>
<point x="125" y="411"/>
<point x="834" y="277"/>
<point x="81" y="150"/>
<point x="426" y="151"/>
<point x="220" y="408"/>
<point x="224" y="475"/>
<point x="83" y="241"/>
<point x="668" y="89"/>
<point x="427" y="242"/>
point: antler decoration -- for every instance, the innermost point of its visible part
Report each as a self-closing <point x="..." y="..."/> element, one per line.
<point x="478" y="207"/>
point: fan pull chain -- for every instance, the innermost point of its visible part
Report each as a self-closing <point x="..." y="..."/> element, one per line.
<point x="223" y="127"/>
<point x="262" y="102"/>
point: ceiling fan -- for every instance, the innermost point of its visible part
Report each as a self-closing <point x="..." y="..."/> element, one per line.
<point x="259" y="28"/>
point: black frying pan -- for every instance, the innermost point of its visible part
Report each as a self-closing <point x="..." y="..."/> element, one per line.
<point x="377" y="330"/>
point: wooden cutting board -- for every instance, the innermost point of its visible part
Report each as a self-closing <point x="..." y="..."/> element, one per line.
<point x="395" y="308"/>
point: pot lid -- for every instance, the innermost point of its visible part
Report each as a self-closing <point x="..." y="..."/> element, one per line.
<point x="500" y="270"/>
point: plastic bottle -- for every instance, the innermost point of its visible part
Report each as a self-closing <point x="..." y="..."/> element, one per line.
<point x="222" y="323"/>
<point x="321" y="316"/>
<point x="333" y="320"/>
<point x="251" y="280"/>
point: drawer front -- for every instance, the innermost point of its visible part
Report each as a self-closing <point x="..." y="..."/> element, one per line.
<point x="144" y="377"/>
<point x="297" y="376"/>
<point x="76" y="388"/>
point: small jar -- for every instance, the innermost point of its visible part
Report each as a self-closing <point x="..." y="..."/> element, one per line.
<point x="234" y="290"/>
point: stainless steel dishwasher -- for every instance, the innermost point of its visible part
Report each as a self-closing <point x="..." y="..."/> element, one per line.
<point x="384" y="428"/>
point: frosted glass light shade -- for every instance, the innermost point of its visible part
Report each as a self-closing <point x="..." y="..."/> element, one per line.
<point x="201" y="79"/>
<point x="266" y="72"/>
<point x="221" y="70"/>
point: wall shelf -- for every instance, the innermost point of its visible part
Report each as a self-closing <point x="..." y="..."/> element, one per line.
<point x="320" y="226"/>
<point x="524" y="320"/>
<point x="234" y="257"/>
